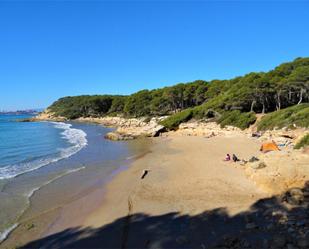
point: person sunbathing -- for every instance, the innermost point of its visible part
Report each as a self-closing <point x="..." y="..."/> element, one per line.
<point x="228" y="157"/>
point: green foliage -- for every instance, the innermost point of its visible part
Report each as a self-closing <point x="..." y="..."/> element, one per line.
<point x="157" y="102"/>
<point x="238" y="119"/>
<point x="296" y="115"/>
<point x="82" y="106"/>
<point x="118" y="104"/>
<point x="234" y="100"/>
<point x="172" y="122"/>
<point x="138" y="104"/>
<point x="303" y="142"/>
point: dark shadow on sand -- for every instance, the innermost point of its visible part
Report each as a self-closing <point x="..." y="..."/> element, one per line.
<point x="268" y="224"/>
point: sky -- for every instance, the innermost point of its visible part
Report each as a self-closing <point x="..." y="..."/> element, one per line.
<point x="51" y="49"/>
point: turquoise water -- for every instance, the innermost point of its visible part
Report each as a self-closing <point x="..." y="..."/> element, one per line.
<point x="46" y="165"/>
<point x="26" y="146"/>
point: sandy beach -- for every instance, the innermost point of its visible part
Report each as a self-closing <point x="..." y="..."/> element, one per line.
<point x="186" y="175"/>
<point x="188" y="192"/>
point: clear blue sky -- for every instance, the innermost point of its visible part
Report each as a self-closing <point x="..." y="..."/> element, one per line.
<point x="50" y="49"/>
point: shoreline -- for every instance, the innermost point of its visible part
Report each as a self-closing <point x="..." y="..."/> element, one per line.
<point x="166" y="189"/>
<point x="60" y="218"/>
<point x="34" y="224"/>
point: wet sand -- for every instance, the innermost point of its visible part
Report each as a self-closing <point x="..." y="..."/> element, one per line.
<point x="67" y="200"/>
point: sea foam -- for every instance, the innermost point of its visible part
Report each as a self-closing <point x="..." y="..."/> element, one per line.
<point x="5" y="233"/>
<point x="77" y="139"/>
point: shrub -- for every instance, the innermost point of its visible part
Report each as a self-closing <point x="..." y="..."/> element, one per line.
<point x="172" y="122"/>
<point x="296" y="115"/>
<point x="303" y="142"/>
<point x="238" y="119"/>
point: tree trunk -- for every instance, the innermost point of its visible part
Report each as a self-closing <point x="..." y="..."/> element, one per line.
<point x="300" y="96"/>
<point x="290" y="94"/>
<point x="278" y="106"/>
<point x="252" y="105"/>
<point x="263" y="110"/>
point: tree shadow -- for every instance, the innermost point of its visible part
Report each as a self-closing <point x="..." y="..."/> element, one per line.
<point x="269" y="223"/>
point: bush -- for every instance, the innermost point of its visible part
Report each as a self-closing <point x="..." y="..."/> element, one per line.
<point x="237" y="119"/>
<point x="172" y="122"/>
<point x="303" y="142"/>
<point x="296" y="115"/>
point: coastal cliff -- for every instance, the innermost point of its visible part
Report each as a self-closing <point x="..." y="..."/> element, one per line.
<point x="265" y="171"/>
<point x="128" y="128"/>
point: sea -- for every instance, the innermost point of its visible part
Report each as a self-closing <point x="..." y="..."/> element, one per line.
<point x="45" y="165"/>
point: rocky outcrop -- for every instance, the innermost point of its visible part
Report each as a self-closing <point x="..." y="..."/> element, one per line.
<point x="46" y="115"/>
<point x="278" y="171"/>
<point x="206" y="129"/>
<point x="128" y="129"/>
<point x="118" y="137"/>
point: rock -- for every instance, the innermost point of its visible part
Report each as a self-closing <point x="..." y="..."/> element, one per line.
<point x="294" y="200"/>
<point x="296" y="191"/>
<point x="260" y="165"/>
<point x="278" y="241"/>
<point x="129" y="128"/>
<point x="253" y="159"/>
<point x="117" y="137"/>
<point x="295" y="196"/>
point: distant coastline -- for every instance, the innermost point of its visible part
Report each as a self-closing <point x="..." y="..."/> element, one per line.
<point x="21" y="112"/>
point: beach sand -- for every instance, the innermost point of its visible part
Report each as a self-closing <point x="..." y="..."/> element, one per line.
<point x="186" y="175"/>
<point x="187" y="182"/>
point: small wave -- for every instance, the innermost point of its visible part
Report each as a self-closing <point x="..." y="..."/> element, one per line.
<point x="32" y="191"/>
<point x="5" y="233"/>
<point x="76" y="137"/>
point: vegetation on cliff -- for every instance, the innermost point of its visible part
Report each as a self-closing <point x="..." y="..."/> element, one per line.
<point x="229" y="102"/>
<point x="291" y="117"/>
<point x="303" y="142"/>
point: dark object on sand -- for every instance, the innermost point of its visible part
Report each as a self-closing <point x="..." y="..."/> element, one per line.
<point x="144" y="174"/>
<point x="243" y="162"/>
<point x="287" y="136"/>
<point x="235" y="158"/>
<point x="253" y="159"/>
<point x="256" y="134"/>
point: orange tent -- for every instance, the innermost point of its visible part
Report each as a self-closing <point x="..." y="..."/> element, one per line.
<point x="266" y="147"/>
